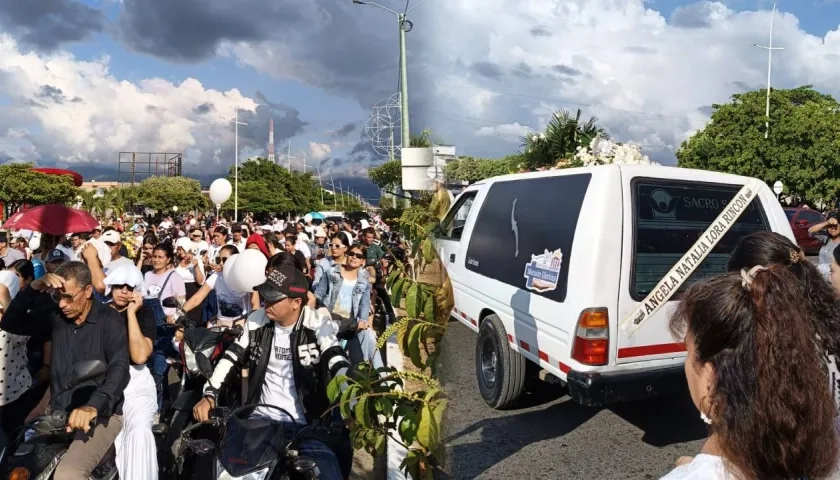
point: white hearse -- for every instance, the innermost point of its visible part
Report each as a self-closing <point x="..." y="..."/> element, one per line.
<point x="545" y="266"/>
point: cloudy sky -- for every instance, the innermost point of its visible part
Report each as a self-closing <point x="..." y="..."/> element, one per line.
<point x="81" y="80"/>
<point x="648" y="69"/>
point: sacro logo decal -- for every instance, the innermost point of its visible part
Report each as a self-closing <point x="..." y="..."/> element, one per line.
<point x="664" y="205"/>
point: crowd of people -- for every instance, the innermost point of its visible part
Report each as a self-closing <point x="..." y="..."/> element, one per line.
<point x="88" y="295"/>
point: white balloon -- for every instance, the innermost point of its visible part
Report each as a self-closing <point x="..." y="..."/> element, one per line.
<point x="247" y="272"/>
<point x="220" y="191"/>
<point x="307" y="218"/>
<point x="192" y="222"/>
<point x="227" y="266"/>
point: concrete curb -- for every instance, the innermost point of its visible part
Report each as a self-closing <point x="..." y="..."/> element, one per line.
<point x="396" y="452"/>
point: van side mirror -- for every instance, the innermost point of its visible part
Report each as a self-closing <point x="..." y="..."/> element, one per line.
<point x="87" y="370"/>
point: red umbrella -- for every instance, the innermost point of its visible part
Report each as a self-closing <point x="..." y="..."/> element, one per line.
<point x="52" y="219"/>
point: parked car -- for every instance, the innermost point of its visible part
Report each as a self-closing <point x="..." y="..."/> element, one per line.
<point x="545" y="265"/>
<point x="801" y="219"/>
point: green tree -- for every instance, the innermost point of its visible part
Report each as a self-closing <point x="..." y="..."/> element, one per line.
<point x="563" y="135"/>
<point x="387" y="176"/>
<point x="803" y="148"/>
<point x="20" y="185"/>
<point x="470" y="169"/>
<point x="163" y="193"/>
<point x="266" y="188"/>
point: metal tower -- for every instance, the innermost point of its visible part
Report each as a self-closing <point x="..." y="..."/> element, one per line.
<point x="271" y="141"/>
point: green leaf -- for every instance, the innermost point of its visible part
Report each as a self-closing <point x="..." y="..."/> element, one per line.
<point x="346" y="396"/>
<point x="411" y="463"/>
<point x="397" y="291"/>
<point x="379" y="444"/>
<point x="408" y="429"/>
<point x="431" y="393"/>
<point x="384" y="406"/>
<point x="414" y="339"/>
<point x="362" y="413"/>
<point x="334" y="387"/>
<point x="429" y="308"/>
<point x="411" y="306"/>
<point x="439" y="409"/>
<point x="392" y="278"/>
<point x="428" y="431"/>
<point x="428" y="251"/>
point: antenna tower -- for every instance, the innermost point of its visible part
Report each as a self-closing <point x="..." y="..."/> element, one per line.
<point x="271" y="141"/>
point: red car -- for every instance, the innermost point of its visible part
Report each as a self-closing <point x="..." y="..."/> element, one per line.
<point x="801" y="219"/>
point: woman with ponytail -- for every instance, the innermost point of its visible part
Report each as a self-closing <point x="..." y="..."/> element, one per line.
<point x="818" y="299"/>
<point x="756" y="379"/>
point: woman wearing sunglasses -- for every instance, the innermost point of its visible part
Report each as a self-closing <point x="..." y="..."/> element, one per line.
<point x="345" y="290"/>
<point x="135" y="445"/>
<point x="229" y="305"/>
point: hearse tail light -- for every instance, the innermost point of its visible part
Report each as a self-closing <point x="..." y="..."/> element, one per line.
<point x="592" y="339"/>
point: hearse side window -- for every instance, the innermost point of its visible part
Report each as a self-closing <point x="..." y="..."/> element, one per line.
<point x="524" y="232"/>
<point x="670" y="216"/>
<point x="452" y="226"/>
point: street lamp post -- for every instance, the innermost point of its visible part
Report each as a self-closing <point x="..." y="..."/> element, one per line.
<point x="405" y="25"/>
<point x="237" y="123"/>
<point x="769" y="49"/>
<point x="778" y="188"/>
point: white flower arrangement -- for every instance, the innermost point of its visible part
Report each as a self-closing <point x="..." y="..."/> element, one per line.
<point x="606" y="152"/>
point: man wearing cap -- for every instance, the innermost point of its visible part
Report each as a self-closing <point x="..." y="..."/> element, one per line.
<point x="8" y="254"/>
<point x="292" y="353"/>
<point x="112" y="239"/>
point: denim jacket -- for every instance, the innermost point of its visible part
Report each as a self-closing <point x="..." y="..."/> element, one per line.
<point x="329" y="284"/>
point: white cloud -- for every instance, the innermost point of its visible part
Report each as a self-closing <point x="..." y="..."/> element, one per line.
<point x="319" y="151"/>
<point x="649" y="79"/>
<point x="511" y="131"/>
<point x="76" y="111"/>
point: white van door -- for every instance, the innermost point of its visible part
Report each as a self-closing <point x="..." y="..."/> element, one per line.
<point x="448" y="241"/>
<point x="665" y="217"/>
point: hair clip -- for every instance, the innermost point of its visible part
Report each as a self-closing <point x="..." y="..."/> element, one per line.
<point x="747" y="276"/>
<point x="795" y="256"/>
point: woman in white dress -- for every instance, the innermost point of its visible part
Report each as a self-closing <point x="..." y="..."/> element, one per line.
<point x="135" y="445"/>
<point x="756" y="378"/>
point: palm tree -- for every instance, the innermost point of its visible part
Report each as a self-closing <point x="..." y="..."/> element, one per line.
<point x="563" y="135"/>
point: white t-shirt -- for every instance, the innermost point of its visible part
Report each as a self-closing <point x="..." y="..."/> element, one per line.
<point x="188" y="273"/>
<point x="279" y="385"/>
<point x="11" y="281"/>
<point x="227" y="300"/>
<point x="303" y="248"/>
<point x="113" y="264"/>
<point x="241" y="245"/>
<point x="703" y="467"/>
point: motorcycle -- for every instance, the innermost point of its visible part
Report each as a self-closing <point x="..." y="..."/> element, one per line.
<point x="44" y="440"/>
<point x="257" y="448"/>
<point x="200" y="349"/>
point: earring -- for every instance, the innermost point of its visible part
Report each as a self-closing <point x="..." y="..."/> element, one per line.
<point x="705" y="418"/>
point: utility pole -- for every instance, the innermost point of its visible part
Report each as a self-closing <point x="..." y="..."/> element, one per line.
<point x="237" y="123"/>
<point x="769" y="49"/>
<point x="405" y="26"/>
<point x="289" y="155"/>
<point x="320" y="186"/>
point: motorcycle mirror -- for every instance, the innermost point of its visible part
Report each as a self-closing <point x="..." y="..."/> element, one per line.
<point x="86" y="370"/>
<point x="170" y="302"/>
<point x="204" y="365"/>
<point x="201" y="447"/>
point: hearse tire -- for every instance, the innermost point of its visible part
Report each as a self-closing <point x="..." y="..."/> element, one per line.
<point x="500" y="371"/>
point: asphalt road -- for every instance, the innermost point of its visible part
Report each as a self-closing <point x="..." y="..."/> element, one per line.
<point x="550" y="436"/>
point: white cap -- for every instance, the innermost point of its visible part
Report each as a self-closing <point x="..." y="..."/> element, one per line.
<point x="111" y="236"/>
<point x="184" y="243"/>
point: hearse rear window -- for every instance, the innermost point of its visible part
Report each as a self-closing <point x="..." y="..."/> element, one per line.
<point x="670" y="217"/>
<point x="524" y="232"/>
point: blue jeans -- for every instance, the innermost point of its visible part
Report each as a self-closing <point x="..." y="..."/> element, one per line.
<point x="325" y="458"/>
